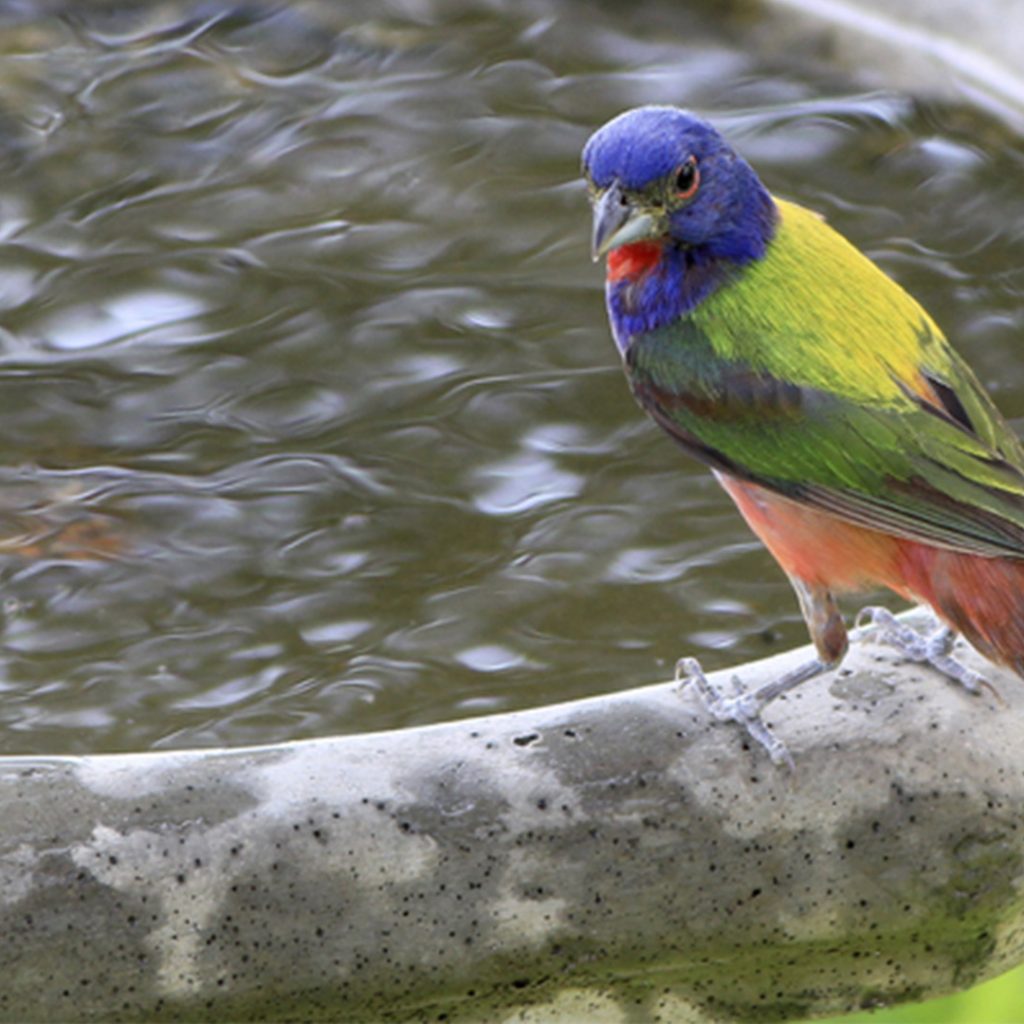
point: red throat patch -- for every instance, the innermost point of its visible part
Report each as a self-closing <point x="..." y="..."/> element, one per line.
<point x="633" y="260"/>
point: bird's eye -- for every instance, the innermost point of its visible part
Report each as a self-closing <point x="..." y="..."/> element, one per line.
<point x="687" y="179"/>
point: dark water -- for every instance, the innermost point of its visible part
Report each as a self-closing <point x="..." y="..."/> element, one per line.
<point x="310" y="418"/>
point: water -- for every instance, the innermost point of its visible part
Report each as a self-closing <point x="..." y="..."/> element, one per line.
<point x="311" y="420"/>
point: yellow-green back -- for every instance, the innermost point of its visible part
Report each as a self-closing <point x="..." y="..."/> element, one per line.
<point x="835" y="319"/>
<point x="814" y="374"/>
<point x="815" y="311"/>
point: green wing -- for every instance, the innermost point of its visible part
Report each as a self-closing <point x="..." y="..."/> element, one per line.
<point x="935" y="463"/>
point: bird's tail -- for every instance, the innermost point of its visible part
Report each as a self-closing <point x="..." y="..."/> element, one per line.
<point x="982" y="598"/>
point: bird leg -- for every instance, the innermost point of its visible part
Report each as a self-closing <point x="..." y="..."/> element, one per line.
<point x="744" y="707"/>
<point x="932" y="648"/>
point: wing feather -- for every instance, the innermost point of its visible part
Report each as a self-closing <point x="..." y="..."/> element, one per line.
<point x="924" y="468"/>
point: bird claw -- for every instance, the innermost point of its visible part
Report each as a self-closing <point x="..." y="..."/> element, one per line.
<point x="932" y="648"/>
<point x="743" y="708"/>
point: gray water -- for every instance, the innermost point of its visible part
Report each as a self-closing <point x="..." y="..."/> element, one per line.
<point x="311" y="422"/>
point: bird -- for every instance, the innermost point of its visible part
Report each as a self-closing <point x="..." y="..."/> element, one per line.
<point x="855" y="441"/>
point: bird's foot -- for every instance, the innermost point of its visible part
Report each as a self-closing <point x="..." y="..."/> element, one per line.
<point x="931" y="648"/>
<point x="741" y="707"/>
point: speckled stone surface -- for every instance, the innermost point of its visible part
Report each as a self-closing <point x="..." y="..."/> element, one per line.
<point x="620" y="859"/>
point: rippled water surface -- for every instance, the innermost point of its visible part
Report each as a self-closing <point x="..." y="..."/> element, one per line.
<point x="310" y="418"/>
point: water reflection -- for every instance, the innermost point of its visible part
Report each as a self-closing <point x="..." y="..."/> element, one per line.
<point x="134" y="317"/>
<point x="311" y="418"/>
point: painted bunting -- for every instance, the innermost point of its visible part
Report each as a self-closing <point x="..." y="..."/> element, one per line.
<point x="856" y="443"/>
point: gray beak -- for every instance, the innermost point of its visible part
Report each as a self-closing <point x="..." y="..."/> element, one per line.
<point x="618" y="222"/>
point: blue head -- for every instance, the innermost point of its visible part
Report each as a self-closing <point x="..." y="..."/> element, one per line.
<point x="661" y="174"/>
